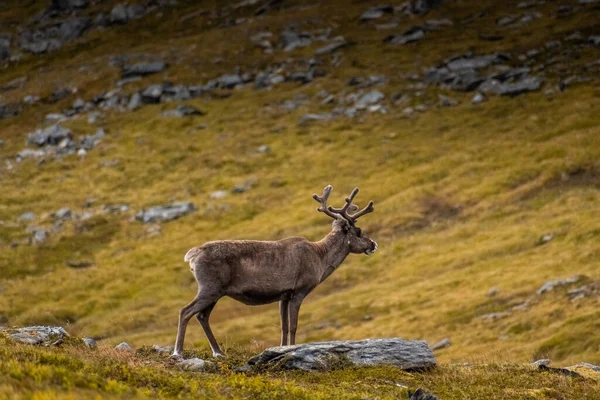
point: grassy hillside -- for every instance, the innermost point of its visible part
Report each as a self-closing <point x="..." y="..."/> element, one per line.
<point x="463" y="194"/>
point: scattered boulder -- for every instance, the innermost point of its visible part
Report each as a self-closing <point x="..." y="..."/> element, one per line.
<point x="162" y="349"/>
<point x="74" y="28"/>
<point x="143" y="68"/>
<point x="551" y="285"/>
<point x="63" y="213"/>
<point x="134" y="102"/>
<point x="88" y="142"/>
<point x="38" y="334"/>
<point x="52" y="135"/>
<point x="407" y="355"/>
<point x="478" y="98"/>
<point x="442" y="344"/>
<point x="118" y="15"/>
<point x="27" y="216"/>
<point x="421" y="394"/>
<point x="89" y="342"/>
<point x="495" y="316"/>
<point x="39" y="235"/>
<point x="193" y="364"/>
<point x="335" y="45"/>
<point x="152" y="94"/>
<point x="123" y="347"/>
<point x="372" y="97"/>
<point x="218" y="194"/>
<point x="376" y="12"/>
<point x="165" y="213"/>
<point x="595" y="40"/>
<point x="182" y="111"/>
<point x="308" y="118"/>
<point x="422" y="7"/>
<point x="413" y="34"/>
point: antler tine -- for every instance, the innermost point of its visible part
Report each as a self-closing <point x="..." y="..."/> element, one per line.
<point x="368" y="209"/>
<point x="323" y="201"/>
<point x="344" y="210"/>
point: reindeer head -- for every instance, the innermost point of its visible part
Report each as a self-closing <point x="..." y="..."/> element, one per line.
<point x="346" y="223"/>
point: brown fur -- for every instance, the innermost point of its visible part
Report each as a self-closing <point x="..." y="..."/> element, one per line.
<point x="263" y="272"/>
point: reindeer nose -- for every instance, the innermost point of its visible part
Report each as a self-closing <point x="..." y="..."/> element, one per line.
<point x="373" y="245"/>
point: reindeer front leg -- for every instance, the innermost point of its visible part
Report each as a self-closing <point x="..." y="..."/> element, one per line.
<point x="285" y="321"/>
<point x="294" y="310"/>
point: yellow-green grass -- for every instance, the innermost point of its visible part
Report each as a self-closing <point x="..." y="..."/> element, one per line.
<point x="462" y="195"/>
<point x="75" y="372"/>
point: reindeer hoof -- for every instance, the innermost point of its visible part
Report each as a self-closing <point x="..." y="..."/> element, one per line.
<point x="177" y="356"/>
<point x="219" y="355"/>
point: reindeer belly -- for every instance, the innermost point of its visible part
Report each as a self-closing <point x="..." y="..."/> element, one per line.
<point x="258" y="297"/>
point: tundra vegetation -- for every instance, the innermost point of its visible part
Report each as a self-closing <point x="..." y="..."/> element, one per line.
<point x="483" y="166"/>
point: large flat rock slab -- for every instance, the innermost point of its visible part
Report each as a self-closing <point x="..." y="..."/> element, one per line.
<point x="404" y="354"/>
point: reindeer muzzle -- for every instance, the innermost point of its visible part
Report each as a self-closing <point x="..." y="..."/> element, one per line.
<point x="373" y="248"/>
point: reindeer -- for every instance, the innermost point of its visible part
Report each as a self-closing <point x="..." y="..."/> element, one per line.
<point x="263" y="272"/>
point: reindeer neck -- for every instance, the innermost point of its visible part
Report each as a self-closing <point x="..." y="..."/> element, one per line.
<point x="333" y="250"/>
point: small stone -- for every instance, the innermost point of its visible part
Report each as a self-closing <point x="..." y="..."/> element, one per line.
<point x="414" y="34"/>
<point x="28" y="216"/>
<point x="135" y="11"/>
<point x="263" y="149"/>
<point x="442" y="344"/>
<point x="123" y="347"/>
<point x="496" y="315"/>
<point x="63" y="213"/>
<point x="493" y="292"/>
<point x="551" y="285"/>
<point x="118" y="15"/>
<point x="541" y="363"/>
<point x="134" y="102"/>
<point x="478" y="98"/>
<point x="143" y="68"/>
<point x="421" y="394"/>
<point x="79" y="264"/>
<point x="182" y="111"/>
<point x="162" y="349"/>
<point x="39" y="235"/>
<point x="372" y="97"/>
<point x="219" y="194"/>
<point x="337" y="44"/>
<point x="193" y="364"/>
<point x="165" y="213"/>
<point x="90" y="343"/>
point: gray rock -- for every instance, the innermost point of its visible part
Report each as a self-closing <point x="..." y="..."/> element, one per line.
<point x="446" y="101"/>
<point x="118" y="15"/>
<point x="587" y="365"/>
<point x="529" y="4"/>
<point x="293" y="40"/>
<point x="337" y="44"/>
<point x="16" y="83"/>
<point x="162" y="349"/>
<point x="422" y="7"/>
<point x="123" y="347"/>
<point x="4" y="49"/>
<point x="308" y="118"/>
<point x="543" y="362"/>
<point x="193" y="364"/>
<point x="478" y="98"/>
<point x="143" y="68"/>
<point x="78" y="263"/>
<point x="38" y="334"/>
<point x="376" y="12"/>
<point x="407" y="355"/>
<point x="52" y="135"/>
<point x="152" y="94"/>
<point x="89" y="342"/>
<point x="88" y="142"/>
<point x="421" y="394"/>
<point x="78" y="104"/>
<point x="442" y="344"/>
<point x="509" y="19"/>
<point x="135" y="11"/>
<point x="529" y="84"/>
<point x="372" y="97"/>
<point x="39" y="235"/>
<point x="414" y="34"/>
<point x="551" y="285"/>
<point x="595" y="40"/>
<point x="28" y="216"/>
<point x="165" y="213"/>
<point x="74" y="28"/>
<point x="493" y="292"/>
<point x="438" y="23"/>
<point x="63" y="213"/>
<point x="218" y="194"/>
<point x="40" y="46"/>
<point x="229" y="81"/>
<point x="176" y="92"/>
<point x="182" y="111"/>
<point x="29" y="153"/>
<point x="135" y="101"/>
<point x="263" y="149"/>
<point x="101" y="20"/>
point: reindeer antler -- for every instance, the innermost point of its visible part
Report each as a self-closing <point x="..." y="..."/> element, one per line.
<point x="323" y="201"/>
<point x="343" y="212"/>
